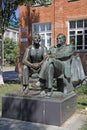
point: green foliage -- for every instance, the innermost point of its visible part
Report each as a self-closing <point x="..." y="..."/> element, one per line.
<point x="10" y="50"/>
<point x="82" y="89"/>
<point x="8" y="7"/>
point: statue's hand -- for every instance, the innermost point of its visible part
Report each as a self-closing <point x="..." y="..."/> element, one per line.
<point x="35" y="65"/>
<point x="51" y="56"/>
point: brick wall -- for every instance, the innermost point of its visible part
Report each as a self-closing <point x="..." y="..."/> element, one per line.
<point x="58" y="13"/>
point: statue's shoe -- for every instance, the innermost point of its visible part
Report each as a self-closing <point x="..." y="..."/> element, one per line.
<point x="49" y="92"/>
<point x="39" y="84"/>
<point x="26" y="91"/>
<point x="43" y="93"/>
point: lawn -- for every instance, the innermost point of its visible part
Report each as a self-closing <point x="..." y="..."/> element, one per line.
<point x="6" y="88"/>
<point x="81" y="97"/>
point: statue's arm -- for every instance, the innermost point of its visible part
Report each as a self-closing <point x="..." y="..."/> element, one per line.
<point x="45" y="54"/>
<point x="66" y="53"/>
<point x="51" y="52"/>
<point x="26" y="59"/>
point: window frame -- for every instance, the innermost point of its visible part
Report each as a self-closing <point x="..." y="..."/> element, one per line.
<point x="78" y="33"/>
<point x="72" y="0"/>
<point x="39" y="3"/>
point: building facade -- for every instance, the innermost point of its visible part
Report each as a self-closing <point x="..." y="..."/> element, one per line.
<point x="57" y="16"/>
<point x="12" y="31"/>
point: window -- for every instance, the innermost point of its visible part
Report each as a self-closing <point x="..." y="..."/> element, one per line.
<point x="7" y="33"/>
<point x="45" y="30"/>
<point x="72" y="0"/>
<point x="14" y="36"/>
<point x="78" y="34"/>
<point x="42" y="2"/>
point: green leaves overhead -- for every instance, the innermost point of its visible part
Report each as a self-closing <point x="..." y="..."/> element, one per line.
<point x="8" y="7"/>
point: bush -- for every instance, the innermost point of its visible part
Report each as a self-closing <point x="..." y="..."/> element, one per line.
<point x="10" y="51"/>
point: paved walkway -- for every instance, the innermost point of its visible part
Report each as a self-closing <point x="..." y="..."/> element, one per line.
<point x="73" y="123"/>
<point x="9" y="73"/>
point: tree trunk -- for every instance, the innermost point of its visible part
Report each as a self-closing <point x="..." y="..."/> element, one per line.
<point x="1" y="71"/>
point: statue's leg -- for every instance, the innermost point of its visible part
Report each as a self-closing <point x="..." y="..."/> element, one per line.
<point x="59" y="74"/>
<point x="68" y="86"/>
<point x="60" y="84"/>
<point x="25" y="79"/>
<point x="43" y="71"/>
<point x="50" y="70"/>
<point x="62" y="81"/>
<point x="43" y="76"/>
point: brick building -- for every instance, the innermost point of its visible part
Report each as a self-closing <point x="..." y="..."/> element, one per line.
<point x="58" y="16"/>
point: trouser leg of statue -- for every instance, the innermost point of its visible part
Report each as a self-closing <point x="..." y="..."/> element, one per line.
<point x="50" y="68"/>
<point x="43" y="76"/>
<point x="50" y="76"/>
<point x="68" y="86"/>
<point x="25" y="79"/>
<point x="44" y="70"/>
<point x="53" y="68"/>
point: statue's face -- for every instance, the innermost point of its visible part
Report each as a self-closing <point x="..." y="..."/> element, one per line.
<point x="36" y="39"/>
<point x="60" y="40"/>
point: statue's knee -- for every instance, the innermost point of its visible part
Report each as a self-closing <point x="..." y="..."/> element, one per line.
<point x="51" y="66"/>
<point x="25" y="68"/>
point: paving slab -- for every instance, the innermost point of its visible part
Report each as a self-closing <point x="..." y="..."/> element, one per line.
<point x="73" y="123"/>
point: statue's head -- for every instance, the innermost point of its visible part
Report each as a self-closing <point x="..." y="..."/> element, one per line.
<point x="36" y="38"/>
<point x="61" y="39"/>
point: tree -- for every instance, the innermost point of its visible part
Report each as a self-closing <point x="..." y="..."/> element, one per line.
<point x="7" y="12"/>
<point x="8" y="7"/>
<point x="10" y="50"/>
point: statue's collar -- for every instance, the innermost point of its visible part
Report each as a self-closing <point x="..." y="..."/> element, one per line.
<point x="61" y="46"/>
<point x="36" y="46"/>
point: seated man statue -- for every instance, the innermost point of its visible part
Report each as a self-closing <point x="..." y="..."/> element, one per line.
<point x="57" y="65"/>
<point x="32" y="61"/>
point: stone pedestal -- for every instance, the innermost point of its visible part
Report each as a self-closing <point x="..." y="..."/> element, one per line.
<point x="46" y="110"/>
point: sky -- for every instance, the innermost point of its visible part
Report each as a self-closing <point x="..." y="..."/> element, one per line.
<point x="16" y="13"/>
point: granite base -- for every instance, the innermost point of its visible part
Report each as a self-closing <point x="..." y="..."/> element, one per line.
<point x="46" y="110"/>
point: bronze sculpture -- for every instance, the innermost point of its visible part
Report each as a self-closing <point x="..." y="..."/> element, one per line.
<point x="58" y="65"/>
<point x="32" y="61"/>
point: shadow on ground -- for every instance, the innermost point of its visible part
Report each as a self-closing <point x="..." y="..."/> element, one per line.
<point x="6" y="124"/>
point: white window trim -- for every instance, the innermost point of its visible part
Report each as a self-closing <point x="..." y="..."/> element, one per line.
<point x="39" y="3"/>
<point x="77" y="29"/>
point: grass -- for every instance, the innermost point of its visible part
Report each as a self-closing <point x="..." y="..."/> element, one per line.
<point x="81" y="97"/>
<point x="6" y="88"/>
<point x="82" y="101"/>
